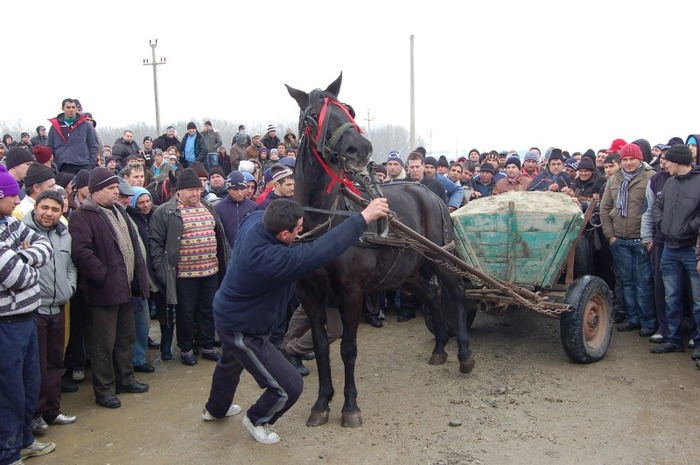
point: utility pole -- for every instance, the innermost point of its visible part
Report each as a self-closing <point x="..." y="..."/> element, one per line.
<point x="369" y="122"/>
<point x="153" y="44"/>
<point x="413" y="104"/>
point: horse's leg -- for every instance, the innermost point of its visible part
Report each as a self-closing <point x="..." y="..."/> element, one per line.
<point x="427" y="294"/>
<point x="350" y="310"/>
<point x="316" y="310"/>
<point x="453" y="292"/>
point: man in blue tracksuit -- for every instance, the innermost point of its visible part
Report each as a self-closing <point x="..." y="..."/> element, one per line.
<point x="253" y="297"/>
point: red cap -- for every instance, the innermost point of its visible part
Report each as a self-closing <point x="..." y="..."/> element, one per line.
<point x="616" y="145"/>
<point x="42" y="153"/>
<point x="631" y="150"/>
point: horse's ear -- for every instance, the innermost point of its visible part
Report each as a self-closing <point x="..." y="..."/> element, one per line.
<point x="301" y="97"/>
<point x="173" y="178"/>
<point x="334" y="88"/>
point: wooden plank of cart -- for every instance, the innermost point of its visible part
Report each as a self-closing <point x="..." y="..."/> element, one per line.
<point x="520" y="248"/>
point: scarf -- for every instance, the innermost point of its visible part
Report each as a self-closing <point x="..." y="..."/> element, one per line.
<point x="624" y="190"/>
<point x="515" y="180"/>
<point x="121" y="229"/>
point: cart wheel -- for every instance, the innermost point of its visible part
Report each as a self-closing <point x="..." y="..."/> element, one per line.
<point x="451" y="325"/>
<point x="586" y="330"/>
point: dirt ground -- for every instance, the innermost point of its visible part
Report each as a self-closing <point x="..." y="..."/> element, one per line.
<point x="524" y="403"/>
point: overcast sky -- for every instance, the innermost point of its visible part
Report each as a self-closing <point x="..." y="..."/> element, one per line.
<point x="489" y="74"/>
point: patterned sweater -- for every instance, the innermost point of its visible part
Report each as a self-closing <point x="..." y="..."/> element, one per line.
<point x="19" y="268"/>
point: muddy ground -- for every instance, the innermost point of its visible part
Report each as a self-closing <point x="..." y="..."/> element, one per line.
<point x="524" y="403"/>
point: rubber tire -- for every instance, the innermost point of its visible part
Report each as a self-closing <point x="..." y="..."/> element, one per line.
<point x="591" y="292"/>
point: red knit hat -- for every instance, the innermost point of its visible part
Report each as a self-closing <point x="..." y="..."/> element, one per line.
<point x="631" y="150"/>
<point x="42" y="153"/>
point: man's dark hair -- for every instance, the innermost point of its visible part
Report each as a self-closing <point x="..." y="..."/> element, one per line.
<point x="282" y="215"/>
<point x="468" y="166"/>
<point x="53" y="195"/>
<point x="612" y="158"/>
<point x="67" y="100"/>
<point x="415" y="156"/>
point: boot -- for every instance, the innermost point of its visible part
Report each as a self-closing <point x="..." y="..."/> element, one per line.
<point x="166" y="342"/>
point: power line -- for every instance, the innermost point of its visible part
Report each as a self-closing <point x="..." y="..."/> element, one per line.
<point x="153" y="44"/>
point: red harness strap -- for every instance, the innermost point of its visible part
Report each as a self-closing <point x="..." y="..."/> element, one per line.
<point x="334" y="177"/>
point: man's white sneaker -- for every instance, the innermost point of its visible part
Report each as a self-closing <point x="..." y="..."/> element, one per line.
<point x="37" y="449"/>
<point x="657" y="338"/>
<point x="263" y="434"/>
<point x="232" y="410"/>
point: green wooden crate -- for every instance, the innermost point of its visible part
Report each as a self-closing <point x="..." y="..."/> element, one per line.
<point x="518" y="237"/>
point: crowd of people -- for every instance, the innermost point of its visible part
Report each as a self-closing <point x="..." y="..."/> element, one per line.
<point x="120" y="234"/>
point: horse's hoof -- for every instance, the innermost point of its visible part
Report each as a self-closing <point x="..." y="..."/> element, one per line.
<point x="317" y="418"/>
<point x="468" y="366"/>
<point x="437" y="359"/>
<point x="352" y="419"/>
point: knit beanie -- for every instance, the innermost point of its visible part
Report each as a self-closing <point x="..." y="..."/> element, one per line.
<point x="271" y="127"/>
<point x="236" y="180"/>
<point x="531" y="155"/>
<point x="442" y="161"/>
<point x="486" y="167"/>
<point x="191" y="125"/>
<point x="631" y="150"/>
<point x="100" y="178"/>
<point x="586" y="164"/>
<point x="216" y="169"/>
<point x="431" y="161"/>
<point x="555" y="155"/>
<point x="571" y="163"/>
<point x="53" y="195"/>
<point x="247" y="166"/>
<point x="679" y="153"/>
<point x="279" y="171"/>
<point x="64" y="178"/>
<point x="513" y="160"/>
<point x="8" y="184"/>
<point x="16" y="156"/>
<point x="42" y="153"/>
<point x="81" y="179"/>
<point x="395" y="156"/>
<point x="199" y="169"/>
<point x="380" y="169"/>
<point x="38" y="173"/>
<point x="188" y="179"/>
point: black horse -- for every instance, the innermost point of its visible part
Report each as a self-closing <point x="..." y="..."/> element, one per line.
<point x="331" y="148"/>
<point x="162" y="190"/>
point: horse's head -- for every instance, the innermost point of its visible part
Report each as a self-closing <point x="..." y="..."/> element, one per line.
<point x="330" y="129"/>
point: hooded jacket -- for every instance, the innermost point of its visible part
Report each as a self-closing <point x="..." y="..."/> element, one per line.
<point x="257" y="287"/>
<point x="232" y="213"/>
<point x="73" y="145"/>
<point x="676" y="211"/>
<point x="123" y="149"/>
<point x="697" y="139"/>
<point x="58" y="279"/>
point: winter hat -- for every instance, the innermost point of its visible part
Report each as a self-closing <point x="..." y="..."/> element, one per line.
<point x="691" y="141"/>
<point x="249" y="177"/>
<point x="147" y="138"/>
<point x="138" y="192"/>
<point x="431" y="161"/>
<point x="246" y="166"/>
<point x="101" y="178"/>
<point x="679" y="153"/>
<point x="236" y="180"/>
<point x="8" y="184"/>
<point x="191" y="125"/>
<point x="38" y="173"/>
<point x="513" y="160"/>
<point x="586" y="164"/>
<point x="531" y="155"/>
<point x="125" y="188"/>
<point x="289" y="162"/>
<point x="240" y="126"/>
<point x="616" y="145"/>
<point x="380" y="169"/>
<point x="53" y="195"/>
<point x="486" y="167"/>
<point x="273" y="151"/>
<point x="188" y="179"/>
<point x="589" y="153"/>
<point x="631" y="150"/>
<point x="571" y="163"/>
<point x="207" y="123"/>
<point x="42" y="153"/>
<point x="279" y="171"/>
<point x="267" y="176"/>
<point x="63" y="179"/>
<point x="442" y="161"/>
<point x="395" y="156"/>
<point x="199" y="169"/>
<point x="555" y="155"/>
<point x="82" y="179"/>
<point x="674" y="141"/>
<point x="271" y="127"/>
<point x="216" y="169"/>
<point x="16" y="156"/>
